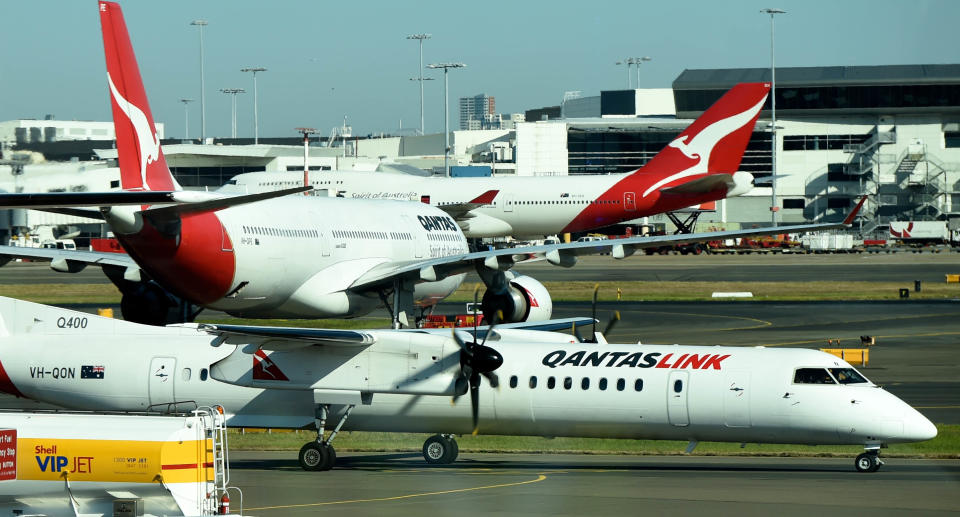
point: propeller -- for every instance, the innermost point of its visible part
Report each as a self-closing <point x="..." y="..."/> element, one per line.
<point x="477" y="360"/>
<point x="593" y="309"/>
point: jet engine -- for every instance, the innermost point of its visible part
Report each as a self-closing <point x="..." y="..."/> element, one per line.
<point x="525" y="299"/>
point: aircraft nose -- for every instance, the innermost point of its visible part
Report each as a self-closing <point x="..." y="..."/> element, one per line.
<point x="917" y="428"/>
<point x="6" y="385"/>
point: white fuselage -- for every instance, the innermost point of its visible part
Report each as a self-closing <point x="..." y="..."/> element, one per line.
<point x="295" y="256"/>
<point x="524" y="206"/>
<point x="549" y="386"/>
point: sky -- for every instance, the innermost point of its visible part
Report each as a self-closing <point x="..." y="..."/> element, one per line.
<point x="327" y="60"/>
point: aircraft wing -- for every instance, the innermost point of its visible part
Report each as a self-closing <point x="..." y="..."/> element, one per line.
<point x="562" y="254"/>
<point x="546" y="326"/>
<point x="274" y="338"/>
<point x="460" y="211"/>
<point x="69" y="261"/>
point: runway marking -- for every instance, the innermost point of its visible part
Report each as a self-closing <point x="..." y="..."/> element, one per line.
<point x="539" y="478"/>
<point x="856" y="338"/>
<point x="761" y="323"/>
<point x="936" y="407"/>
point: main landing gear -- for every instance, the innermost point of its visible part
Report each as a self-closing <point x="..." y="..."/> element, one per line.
<point x="440" y="449"/>
<point x="319" y="454"/>
<point x="869" y="461"/>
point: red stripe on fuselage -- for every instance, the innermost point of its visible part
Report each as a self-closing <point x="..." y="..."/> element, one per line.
<point x="193" y="265"/>
<point x="6" y="385"/>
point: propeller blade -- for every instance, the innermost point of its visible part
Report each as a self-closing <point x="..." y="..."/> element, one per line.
<point x="497" y="316"/>
<point x="576" y="334"/>
<point x="475" y="401"/>
<point x="593" y="306"/>
<point x="463" y="346"/>
<point x="476" y="292"/>
<point x="610" y="324"/>
<point x="492" y="379"/>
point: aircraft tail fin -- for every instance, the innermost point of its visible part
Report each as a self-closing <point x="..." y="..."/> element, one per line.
<point x="715" y="142"/>
<point x="142" y="165"/>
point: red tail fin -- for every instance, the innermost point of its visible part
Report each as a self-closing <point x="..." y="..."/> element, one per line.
<point x="142" y="166"/>
<point x="715" y="142"/>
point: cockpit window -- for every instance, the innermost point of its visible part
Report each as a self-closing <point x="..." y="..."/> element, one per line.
<point x="848" y="376"/>
<point x="812" y="376"/>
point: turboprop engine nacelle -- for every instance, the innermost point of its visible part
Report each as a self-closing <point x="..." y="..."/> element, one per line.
<point x="525" y="299"/>
<point x="742" y="183"/>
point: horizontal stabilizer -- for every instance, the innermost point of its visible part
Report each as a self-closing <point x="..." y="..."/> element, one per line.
<point x="702" y="185"/>
<point x="85" y="199"/>
<point x="212" y="205"/>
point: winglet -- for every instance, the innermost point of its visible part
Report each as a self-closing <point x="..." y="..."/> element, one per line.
<point x="486" y="198"/>
<point x="849" y="220"/>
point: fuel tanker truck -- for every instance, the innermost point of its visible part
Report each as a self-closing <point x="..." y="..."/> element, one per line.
<point x="54" y="463"/>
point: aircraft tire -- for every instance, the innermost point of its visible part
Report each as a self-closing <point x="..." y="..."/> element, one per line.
<point x="329" y="458"/>
<point x="454" y="448"/>
<point x="438" y="450"/>
<point x="313" y="456"/>
<point x="867" y="462"/>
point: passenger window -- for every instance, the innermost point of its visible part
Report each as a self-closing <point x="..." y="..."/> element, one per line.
<point x="848" y="376"/>
<point x="186" y="374"/>
<point x="677" y="386"/>
<point x="602" y="384"/>
<point x="203" y="374"/>
<point x="812" y="376"/>
<point x="551" y="383"/>
<point x="513" y="381"/>
<point x="585" y="383"/>
<point x="621" y="384"/>
<point x="533" y="382"/>
<point x="638" y="385"/>
<point x="567" y="383"/>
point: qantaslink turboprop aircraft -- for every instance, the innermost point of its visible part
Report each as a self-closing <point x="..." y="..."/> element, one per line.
<point x="277" y="255"/>
<point x="402" y="381"/>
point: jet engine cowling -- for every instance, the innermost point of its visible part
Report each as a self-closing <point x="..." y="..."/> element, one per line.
<point x="525" y="299"/>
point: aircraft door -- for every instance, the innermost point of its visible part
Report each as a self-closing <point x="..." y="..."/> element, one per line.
<point x="736" y="399"/>
<point x="508" y="202"/>
<point x="324" y="236"/>
<point x="162" y="370"/>
<point x="630" y="201"/>
<point x="677" y="398"/>
<point x="225" y="244"/>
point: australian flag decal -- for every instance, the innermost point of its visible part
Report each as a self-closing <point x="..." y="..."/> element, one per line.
<point x="91" y="372"/>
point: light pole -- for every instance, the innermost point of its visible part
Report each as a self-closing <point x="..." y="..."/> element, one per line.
<point x="773" y="119"/>
<point x="186" y="118"/>
<point x="256" y="118"/>
<point x="306" y="132"/>
<point x="627" y="62"/>
<point x="203" y="95"/>
<point x="637" y="61"/>
<point x="233" y="108"/>
<point x="446" y="102"/>
<point x="420" y="38"/>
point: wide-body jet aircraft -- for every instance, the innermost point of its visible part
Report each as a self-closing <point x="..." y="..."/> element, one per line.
<point x="697" y="167"/>
<point x="549" y="384"/>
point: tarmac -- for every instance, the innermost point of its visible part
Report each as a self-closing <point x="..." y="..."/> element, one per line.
<point x="552" y="485"/>
<point x="916" y="357"/>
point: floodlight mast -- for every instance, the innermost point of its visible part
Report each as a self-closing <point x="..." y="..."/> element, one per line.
<point x="256" y="117"/>
<point x="203" y="90"/>
<point x="446" y="102"/>
<point x="774" y="207"/>
<point x="186" y="118"/>
<point x="420" y="79"/>
<point x="233" y="108"/>
<point x="306" y="132"/>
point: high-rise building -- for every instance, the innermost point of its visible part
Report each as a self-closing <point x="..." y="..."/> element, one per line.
<point x="477" y="109"/>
